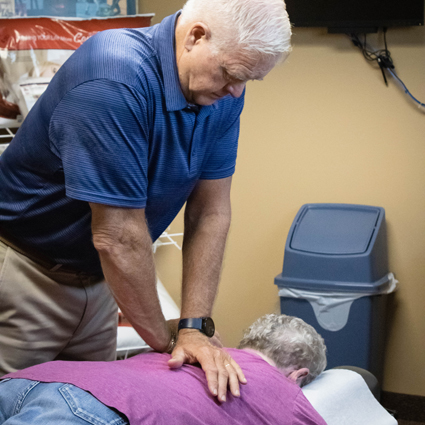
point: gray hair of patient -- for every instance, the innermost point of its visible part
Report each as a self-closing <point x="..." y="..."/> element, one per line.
<point x="289" y="342"/>
<point x="256" y="27"/>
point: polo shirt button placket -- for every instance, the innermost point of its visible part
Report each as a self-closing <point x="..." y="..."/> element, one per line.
<point x="194" y="151"/>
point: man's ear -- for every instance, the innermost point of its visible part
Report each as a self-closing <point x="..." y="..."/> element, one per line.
<point x="298" y="375"/>
<point x="197" y="32"/>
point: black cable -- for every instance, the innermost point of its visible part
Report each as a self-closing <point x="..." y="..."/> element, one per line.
<point x="383" y="58"/>
<point x="372" y="55"/>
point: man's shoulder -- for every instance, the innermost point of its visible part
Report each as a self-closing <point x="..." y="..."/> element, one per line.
<point x="124" y="56"/>
<point x="123" y="45"/>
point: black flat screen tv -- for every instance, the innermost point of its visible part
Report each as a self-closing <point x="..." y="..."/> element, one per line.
<point x="351" y="16"/>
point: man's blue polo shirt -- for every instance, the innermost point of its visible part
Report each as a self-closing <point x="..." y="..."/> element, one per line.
<point x="113" y="128"/>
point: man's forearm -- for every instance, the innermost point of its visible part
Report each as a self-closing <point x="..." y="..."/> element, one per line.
<point x="203" y="250"/>
<point x="207" y="221"/>
<point x="127" y="261"/>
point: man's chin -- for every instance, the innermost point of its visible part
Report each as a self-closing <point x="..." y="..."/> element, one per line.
<point x="204" y="100"/>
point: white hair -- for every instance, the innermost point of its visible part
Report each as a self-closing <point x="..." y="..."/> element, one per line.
<point x="255" y="27"/>
<point x="288" y="341"/>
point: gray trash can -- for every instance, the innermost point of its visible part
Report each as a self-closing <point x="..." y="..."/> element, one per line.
<point x="335" y="277"/>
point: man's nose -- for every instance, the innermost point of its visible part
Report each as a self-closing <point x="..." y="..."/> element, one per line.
<point x="236" y="89"/>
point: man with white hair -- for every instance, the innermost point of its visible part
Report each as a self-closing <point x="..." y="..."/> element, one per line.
<point x="278" y="353"/>
<point x="133" y="125"/>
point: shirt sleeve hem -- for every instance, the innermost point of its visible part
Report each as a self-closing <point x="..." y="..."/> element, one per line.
<point x="219" y="174"/>
<point x="97" y="198"/>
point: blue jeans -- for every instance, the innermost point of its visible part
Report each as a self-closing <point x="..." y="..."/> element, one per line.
<point x="24" y="402"/>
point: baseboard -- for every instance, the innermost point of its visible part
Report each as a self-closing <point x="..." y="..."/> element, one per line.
<point x="408" y="407"/>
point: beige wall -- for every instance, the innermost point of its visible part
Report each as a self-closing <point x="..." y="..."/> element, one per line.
<point x="324" y="128"/>
<point x="161" y="8"/>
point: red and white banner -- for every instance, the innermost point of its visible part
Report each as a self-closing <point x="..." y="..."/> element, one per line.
<point x="33" y="49"/>
<point x="53" y="33"/>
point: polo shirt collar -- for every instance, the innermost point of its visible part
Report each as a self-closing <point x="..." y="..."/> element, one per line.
<point x="164" y="41"/>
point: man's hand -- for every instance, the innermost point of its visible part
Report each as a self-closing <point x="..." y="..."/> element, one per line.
<point x="216" y="340"/>
<point x="220" y="369"/>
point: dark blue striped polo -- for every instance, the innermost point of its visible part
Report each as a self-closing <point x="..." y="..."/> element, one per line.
<point x="113" y="128"/>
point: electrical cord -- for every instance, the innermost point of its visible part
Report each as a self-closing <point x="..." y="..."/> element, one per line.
<point x="420" y="104"/>
<point x="383" y="58"/>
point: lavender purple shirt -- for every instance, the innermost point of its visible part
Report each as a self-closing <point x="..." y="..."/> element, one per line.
<point x="148" y="392"/>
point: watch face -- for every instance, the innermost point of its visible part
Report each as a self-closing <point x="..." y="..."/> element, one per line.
<point x="209" y="328"/>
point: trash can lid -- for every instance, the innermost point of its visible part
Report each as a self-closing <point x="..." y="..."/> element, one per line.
<point x="337" y="229"/>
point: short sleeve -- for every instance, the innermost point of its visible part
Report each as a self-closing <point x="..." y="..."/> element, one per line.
<point x="100" y="131"/>
<point x="304" y="412"/>
<point x="221" y="162"/>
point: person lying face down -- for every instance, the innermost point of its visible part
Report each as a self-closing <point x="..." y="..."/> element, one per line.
<point x="277" y="353"/>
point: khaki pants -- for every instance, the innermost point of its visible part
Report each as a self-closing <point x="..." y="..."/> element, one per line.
<point x="47" y="315"/>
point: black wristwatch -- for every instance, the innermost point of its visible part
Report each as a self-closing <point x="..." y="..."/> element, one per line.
<point x="203" y="324"/>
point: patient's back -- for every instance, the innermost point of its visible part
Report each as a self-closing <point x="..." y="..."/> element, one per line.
<point x="148" y="392"/>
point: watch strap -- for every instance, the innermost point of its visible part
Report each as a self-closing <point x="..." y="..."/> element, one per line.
<point x="202" y="324"/>
<point x="192" y="323"/>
